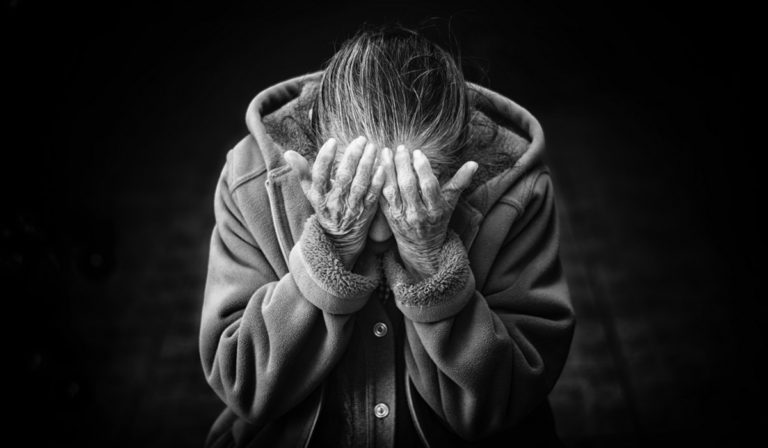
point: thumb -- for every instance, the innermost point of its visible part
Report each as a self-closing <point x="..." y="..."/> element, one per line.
<point x="459" y="182"/>
<point x="299" y="164"/>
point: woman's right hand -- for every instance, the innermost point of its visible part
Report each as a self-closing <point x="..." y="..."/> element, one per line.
<point x="345" y="205"/>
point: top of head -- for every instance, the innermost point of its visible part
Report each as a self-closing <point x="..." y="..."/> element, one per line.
<point x="394" y="86"/>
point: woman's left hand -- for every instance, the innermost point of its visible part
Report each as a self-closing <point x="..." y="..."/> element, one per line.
<point x="417" y="208"/>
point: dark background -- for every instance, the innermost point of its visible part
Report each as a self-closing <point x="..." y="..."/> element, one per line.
<point x="119" y="118"/>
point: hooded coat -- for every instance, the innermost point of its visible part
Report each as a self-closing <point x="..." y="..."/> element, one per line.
<point x="465" y="357"/>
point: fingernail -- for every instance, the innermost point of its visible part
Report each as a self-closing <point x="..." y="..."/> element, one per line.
<point x="417" y="153"/>
<point x="401" y="148"/>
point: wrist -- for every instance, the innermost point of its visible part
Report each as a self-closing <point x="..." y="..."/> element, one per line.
<point x="348" y="260"/>
<point x="346" y="249"/>
<point x="321" y="277"/>
<point x="420" y="263"/>
<point x="438" y="296"/>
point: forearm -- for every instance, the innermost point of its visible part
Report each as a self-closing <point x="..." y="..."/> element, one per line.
<point x="480" y="369"/>
<point x="251" y="357"/>
<point x="265" y="350"/>
<point x="479" y="376"/>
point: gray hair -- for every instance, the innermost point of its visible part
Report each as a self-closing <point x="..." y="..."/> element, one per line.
<point x="395" y="87"/>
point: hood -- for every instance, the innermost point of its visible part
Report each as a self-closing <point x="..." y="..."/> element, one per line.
<point x="505" y="139"/>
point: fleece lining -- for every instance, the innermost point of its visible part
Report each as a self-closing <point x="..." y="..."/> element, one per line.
<point x="442" y="294"/>
<point x="322" y="277"/>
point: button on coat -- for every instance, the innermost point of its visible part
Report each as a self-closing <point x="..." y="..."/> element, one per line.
<point x="380" y="329"/>
<point x="381" y="410"/>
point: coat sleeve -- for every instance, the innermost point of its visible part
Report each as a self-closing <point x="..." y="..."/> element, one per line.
<point x="266" y="342"/>
<point x="484" y="359"/>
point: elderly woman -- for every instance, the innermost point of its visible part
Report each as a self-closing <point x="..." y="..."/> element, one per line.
<point x="384" y="268"/>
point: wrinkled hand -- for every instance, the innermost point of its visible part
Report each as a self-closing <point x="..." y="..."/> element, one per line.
<point x="345" y="205"/>
<point x="418" y="209"/>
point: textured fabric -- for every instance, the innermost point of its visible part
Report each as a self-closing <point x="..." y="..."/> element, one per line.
<point x="483" y="340"/>
<point x="321" y="276"/>
<point x="438" y="296"/>
<point x="336" y="427"/>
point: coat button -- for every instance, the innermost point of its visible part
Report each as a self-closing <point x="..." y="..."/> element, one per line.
<point x="380" y="329"/>
<point x="381" y="410"/>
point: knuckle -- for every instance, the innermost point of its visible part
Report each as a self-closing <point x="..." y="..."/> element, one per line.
<point x="344" y="177"/>
<point x="451" y="191"/>
<point x="314" y="196"/>
<point x="412" y="215"/>
<point x="354" y="210"/>
<point x="331" y="205"/>
<point x="395" y="211"/>
<point x="371" y="197"/>
<point x="409" y="188"/>
<point x="342" y="189"/>
<point x="451" y="187"/>
<point x="433" y="216"/>
<point x="357" y="190"/>
<point x="389" y="192"/>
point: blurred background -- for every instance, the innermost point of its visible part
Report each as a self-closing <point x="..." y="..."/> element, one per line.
<point x="119" y="118"/>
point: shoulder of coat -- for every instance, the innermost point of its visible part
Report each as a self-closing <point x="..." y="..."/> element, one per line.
<point x="520" y="193"/>
<point x="246" y="162"/>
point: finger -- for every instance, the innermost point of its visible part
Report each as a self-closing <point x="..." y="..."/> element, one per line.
<point x="321" y="170"/>
<point x="461" y="180"/>
<point x="362" y="179"/>
<point x="374" y="191"/>
<point x="377" y="161"/>
<point x="430" y="187"/>
<point x="348" y="165"/>
<point x="390" y="192"/>
<point x="299" y="164"/>
<point x="406" y="179"/>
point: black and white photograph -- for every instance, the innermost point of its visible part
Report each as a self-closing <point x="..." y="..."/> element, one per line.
<point x="381" y="224"/>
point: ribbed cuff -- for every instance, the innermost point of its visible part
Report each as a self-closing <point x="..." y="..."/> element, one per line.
<point x="321" y="276"/>
<point x="439" y="296"/>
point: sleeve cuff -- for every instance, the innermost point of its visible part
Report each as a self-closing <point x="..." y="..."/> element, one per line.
<point x="321" y="276"/>
<point x="439" y="296"/>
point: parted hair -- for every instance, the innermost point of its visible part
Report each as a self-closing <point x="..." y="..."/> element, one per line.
<point x="394" y="86"/>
